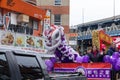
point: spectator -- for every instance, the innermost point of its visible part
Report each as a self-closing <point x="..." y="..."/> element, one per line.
<point x="89" y="50"/>
<point x="94" y="55"/>
<point x="79" y="50"/>
<point x="112" y="49"/>
<point x="102" y="54"/>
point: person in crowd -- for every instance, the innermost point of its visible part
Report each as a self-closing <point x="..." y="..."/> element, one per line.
<point x="89" y="50"/>
<point x="102" y="54"/>
<point x="94" y="55"/>
<point x="79" y="50"/>
<point x="110" y="52"/>
<point x="112" y="49"/>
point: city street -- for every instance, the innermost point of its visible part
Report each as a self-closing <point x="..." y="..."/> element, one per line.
<point x="59" y="40"/>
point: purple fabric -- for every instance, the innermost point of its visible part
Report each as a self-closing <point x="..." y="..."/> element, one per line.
<point x="58" y="54"/>
<point x="60" y="46"/>
<point x="66" y="60"/>
<point x="63" y="49"/>
<point x="62" y="38"/>
<point x="75" y="56"/>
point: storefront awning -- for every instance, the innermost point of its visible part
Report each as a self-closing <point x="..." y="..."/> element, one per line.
<point x="23" y="7"/>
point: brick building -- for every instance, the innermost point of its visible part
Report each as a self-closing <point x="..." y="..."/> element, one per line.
<point x="59" y="11"/>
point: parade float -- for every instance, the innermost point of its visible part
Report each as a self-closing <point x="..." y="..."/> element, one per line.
<point x="67" y="60"/>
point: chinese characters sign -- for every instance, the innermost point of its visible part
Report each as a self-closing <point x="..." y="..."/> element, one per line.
<point x="93" y="71"/>
<point x="98" y="73"/>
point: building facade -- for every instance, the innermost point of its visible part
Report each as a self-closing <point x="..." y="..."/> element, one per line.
<point x="110" y="25"/>
<point x="25" y="19"/>
<point x="59" y="11"/>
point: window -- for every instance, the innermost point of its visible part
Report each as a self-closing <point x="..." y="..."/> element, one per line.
<point x="57" y="2"/>
<point x="29" y="67"/>
<point x="57" y="19"/>
<point x="4" y="69"/>
<point x="35" y="25"/>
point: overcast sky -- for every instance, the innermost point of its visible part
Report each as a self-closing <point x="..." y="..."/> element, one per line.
<point x="92" y="10"/>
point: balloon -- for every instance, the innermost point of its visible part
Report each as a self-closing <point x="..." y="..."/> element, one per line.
<point x="113" y="60"/>
<point x="49" y="63"/>
<point x="79" y="59"/>
<point x="86" y="58"/>
<point x="106" y="58"/>
<point x="116" y="55"/>
<point x="49" y="69"/>
<point x="53" y="59"/>
<point x="117" y="66"/>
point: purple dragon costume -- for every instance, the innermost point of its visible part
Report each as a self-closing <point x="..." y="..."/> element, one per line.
<point x="55" y="42"/>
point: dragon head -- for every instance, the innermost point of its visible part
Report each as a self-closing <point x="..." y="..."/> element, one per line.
<point x="53" y="36"/>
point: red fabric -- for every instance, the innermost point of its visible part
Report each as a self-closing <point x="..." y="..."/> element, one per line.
<point x="103" y="46"/>
<point x="119" y="47"/>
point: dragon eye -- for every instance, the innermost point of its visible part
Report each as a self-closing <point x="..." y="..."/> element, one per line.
<point x="56" y="35"/>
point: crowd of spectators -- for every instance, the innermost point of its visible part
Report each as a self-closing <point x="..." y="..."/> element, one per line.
<point x="95" y="55"/>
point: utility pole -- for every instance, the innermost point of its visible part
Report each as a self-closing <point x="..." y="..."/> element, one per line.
<point x="83" y="25"/>
<point x="83" y="16"/>
<point x="114" y="9"/>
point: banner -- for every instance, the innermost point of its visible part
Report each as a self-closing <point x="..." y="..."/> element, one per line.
<point x="21" y="41"/>
<point x="93" y="71"/>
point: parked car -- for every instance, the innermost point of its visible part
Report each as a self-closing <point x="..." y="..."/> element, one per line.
<point x="21" y="65"/>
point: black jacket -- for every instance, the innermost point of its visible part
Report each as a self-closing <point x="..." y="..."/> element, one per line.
<point x="110" y="51"/>
<point x="94" y="58"/>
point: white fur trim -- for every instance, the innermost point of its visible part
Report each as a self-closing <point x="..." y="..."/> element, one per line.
<point x="52" y="47"/>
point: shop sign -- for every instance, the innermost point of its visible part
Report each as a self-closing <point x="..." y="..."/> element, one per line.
<point x="21" y="41"/>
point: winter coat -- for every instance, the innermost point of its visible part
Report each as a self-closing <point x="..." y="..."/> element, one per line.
<point x="94" y="58"/>
<point x="110" y="51"/>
